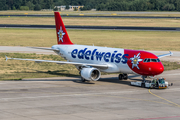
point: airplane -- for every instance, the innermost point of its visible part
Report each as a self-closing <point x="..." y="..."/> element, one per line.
<point x="92" y="60"/>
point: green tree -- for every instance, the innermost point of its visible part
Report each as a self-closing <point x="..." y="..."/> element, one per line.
<point x="101" y="6"/>
<point x="58" y="2"/>
<point x="149" y="6"/>
<point x="88" y="7"/>
<point x="24" y="8"/>
<point x="67" y="7"/>
<point x="2" y="4"/>
<point x="55" y="9"/>
<point x="35" y="2"/>
<point x="67" y="2"/>
<point x="14" y="8"/>
<point x="169" y="7"/>
<point x="6" y="7"/>
<point x="48" y="4"/>
<point x="23" y="2"/>
<point x="125" y="6"/>
<point x="17" y="3"/>
<point x="178" y="5"/>
<point x="10" y="4"/>
<point x="75" y="9"/>
<point x="132" y="7"/>
<point x="37" y="7"/>
<point x="112" y="5"/>
<point x="30" y="5"/>
<point x="83" y="8"/>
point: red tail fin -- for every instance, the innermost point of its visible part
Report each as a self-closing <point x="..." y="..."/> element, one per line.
<point x="62" y="36"/>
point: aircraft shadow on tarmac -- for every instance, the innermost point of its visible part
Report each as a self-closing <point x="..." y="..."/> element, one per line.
<point x="112" y="80"/>
<point x="57" y="72"/>
<point x="78" y="79"/>
<point x="116" y="80"/>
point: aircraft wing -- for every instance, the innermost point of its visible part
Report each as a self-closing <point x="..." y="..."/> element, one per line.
<point x="45" y="48"/>
<point x="164" y="55"/>
<point x="102" y="66"/>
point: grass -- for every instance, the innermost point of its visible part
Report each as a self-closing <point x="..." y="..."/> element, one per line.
<point x="93" y="21"/>
<point x="17" y="70"/>
<point x="147" y="40"/>
<point x="170" y="65"/>
<point x="102" y="13"/>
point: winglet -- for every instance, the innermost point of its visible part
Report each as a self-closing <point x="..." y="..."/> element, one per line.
<point x="6" y="57"/>
<point x="170" y="53"/>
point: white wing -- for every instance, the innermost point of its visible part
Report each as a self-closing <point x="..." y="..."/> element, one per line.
<point x="164" y="55"/>
<point x="101" y="66"/>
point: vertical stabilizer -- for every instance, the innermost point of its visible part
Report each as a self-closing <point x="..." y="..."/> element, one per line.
<point x="62" y="36"/>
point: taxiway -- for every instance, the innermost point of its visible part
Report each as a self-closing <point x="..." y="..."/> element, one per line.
<point x="107" y="99"/>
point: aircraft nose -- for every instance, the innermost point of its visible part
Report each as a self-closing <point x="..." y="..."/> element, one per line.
<point x="159" y="68"/>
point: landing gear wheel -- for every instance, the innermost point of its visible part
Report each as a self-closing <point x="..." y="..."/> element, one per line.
<point x="125" y="76"/>
<point x="144" y="80"/>
<point x="83" y="80"/>
<point x="121" y="76"/>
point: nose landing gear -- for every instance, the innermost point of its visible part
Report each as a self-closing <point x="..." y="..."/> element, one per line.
<point x="123" y="76"/>
<point x="144" y="78"/>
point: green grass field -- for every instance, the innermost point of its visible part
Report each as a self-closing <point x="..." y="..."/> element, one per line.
<point x="92" y="21"/>
<point x="147" y="40"/>
<point x="17" y="70"/>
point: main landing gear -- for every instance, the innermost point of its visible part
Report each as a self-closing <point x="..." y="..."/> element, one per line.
<point x="123" y="76"/>
<point x="82" y="79"/>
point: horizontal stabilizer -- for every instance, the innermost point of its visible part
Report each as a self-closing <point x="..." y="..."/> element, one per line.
<point x="45" y="48"/>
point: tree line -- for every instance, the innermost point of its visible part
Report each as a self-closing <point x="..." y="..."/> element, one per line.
<point x="101" y="5"/>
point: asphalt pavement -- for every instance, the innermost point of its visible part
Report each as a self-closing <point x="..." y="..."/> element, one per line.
<point x="67" y="98"/>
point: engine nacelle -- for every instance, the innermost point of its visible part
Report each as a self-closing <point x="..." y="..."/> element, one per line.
<point x="90" y="74"/>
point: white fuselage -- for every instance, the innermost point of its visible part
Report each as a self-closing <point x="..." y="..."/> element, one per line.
<point x="113" y="57"/>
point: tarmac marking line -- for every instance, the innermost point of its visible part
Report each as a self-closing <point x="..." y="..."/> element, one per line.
<point x="136" y="99"/>
<point x="164" y="99"/>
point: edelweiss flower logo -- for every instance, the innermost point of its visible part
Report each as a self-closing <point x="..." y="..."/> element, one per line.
<point x="135" y="61"/>
<point x="61" y="34"/>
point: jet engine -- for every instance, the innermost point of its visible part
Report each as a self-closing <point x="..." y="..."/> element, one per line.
<point x="90" y="74"/>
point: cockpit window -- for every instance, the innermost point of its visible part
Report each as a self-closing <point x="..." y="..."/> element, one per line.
<point x="151" y="60"/>
<point x="145" y="60"/>
<point x="148" y="60"/>
<point x="158" y="60"/>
